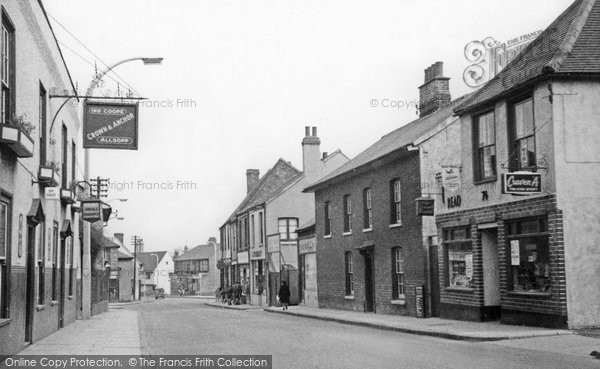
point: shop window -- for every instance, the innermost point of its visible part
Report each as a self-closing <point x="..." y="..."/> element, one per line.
<point x="7" y="69"/>
<point x="55" y="262"/>
<point x="349" y="274"/>
<point x="529" y="255"/>
<point x="347" y="214"/>
<point x="459" y="255"/>
<point x="395" y="202"/>
<point x="287" y="228"/>
<point x="41" y="276"/>
<point x="398" y="287"/>
<point x="4" y="255"/>
<point x="484" y="134"/>
<point x="522" y="131"/>
<point x="259" y="279"/>
<point x="367" y="209"/>
<point x="327" y="218"/>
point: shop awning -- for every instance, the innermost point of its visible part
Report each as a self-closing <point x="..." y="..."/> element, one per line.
<point x="65" y="229"/>
<point x="36" y="212"/>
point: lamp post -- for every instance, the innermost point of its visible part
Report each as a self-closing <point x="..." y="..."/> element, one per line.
<point x="86" y="278"/>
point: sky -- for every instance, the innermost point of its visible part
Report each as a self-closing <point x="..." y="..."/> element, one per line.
<point x="241" y="79"/>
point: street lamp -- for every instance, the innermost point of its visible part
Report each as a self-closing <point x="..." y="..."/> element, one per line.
<point x="86" y="280"/>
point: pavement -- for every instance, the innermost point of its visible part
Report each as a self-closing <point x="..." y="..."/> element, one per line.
<point x="115" y="332"/>
<point x="450" y="329"/>
<point x="233" y="307"/>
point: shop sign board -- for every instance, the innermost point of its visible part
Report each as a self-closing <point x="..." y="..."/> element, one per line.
<point x="307" y="245"/>
<point x="110" y="126"/>
<point x="52" y="193"/>
<point x="91" y="211"/>
<point x="521" y="183"/>
<point x="425" y="206"/>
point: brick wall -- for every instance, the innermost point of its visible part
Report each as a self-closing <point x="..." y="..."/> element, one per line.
<point x="330" y="251"/>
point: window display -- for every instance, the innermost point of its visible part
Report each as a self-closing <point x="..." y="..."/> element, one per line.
<point x="459" y="252"/>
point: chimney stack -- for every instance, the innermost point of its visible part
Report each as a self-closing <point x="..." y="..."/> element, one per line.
<point x="435" y="92"/>
<point x="311" y="154"/>
<point x="212" y="239"/>
<point x="251" y="179"/>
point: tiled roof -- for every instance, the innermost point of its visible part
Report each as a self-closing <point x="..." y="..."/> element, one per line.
<point x="148" y="259"/>
<point x="98" y="240"/>
<point x="269" y="184"/>
<point x="391" y="142"/>
<point x="570" y="45"/>
<point x="199" y="252"/>
<point x="122" y="256"/>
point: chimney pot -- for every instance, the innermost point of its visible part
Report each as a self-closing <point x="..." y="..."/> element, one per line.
<point x="307" y="131"/>
<point x="435" y="92"/>
<point x="325" y="155"/>
<point x="314" y="131"/>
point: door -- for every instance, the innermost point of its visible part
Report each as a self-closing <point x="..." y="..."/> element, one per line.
<point x="30" y="286"/>
<point x="434" y="280"/>
<point x="491" y="267"/>
<point x="61" y="281"/>
<point x="369" y="290"/>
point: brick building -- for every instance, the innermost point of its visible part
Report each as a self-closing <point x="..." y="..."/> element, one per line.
<point x="519" y="235"/>
<point x="371" y="246"/>
<point x="39" y="236"/>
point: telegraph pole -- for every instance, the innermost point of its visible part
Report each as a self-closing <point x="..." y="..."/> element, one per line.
<point x="135" y="240"/>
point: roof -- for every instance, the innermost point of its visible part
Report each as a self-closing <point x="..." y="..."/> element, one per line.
<point x="123" y="256"/>
<point x="568" y="46"/>
<point x="269" y="184"/>
<point x="98" y="239"/>
<point x="199" y="252"/>
<point x="393" y="141"/>
<point x="148" y="259"/>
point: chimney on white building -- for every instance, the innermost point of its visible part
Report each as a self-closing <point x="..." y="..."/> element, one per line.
<point x="435" y="92"/>
<point x="311" y="154"/>
<point x="252" y="176"/>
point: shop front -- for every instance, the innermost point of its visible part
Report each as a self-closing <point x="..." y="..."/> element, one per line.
<point x="307" y="265"/>
<point x="257" y="260"/>
<point x="504" y="262"/>
<point x="243" y="274"/>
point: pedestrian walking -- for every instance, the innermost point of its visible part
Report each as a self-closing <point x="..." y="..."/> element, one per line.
<point x="284" y="295"/>
<point x="218" y="293"/>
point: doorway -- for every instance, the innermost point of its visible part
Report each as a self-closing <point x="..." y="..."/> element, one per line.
<point x="369" y="288"/>
<point x="61" y="302"/>
<point x="434" y="279"/>
<point x="491" y="273"/>
<point x="30" y="286"/>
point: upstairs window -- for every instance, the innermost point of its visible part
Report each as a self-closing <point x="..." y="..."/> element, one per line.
<point x="368" y="209"/>
<point x="484" y="133"/>
<point x="327" y="218"/>
<point x="522" y="130"/>
<point x="396" y="202"/>
<point x="287" y="229"/>
<point x="347" y="214"/>
<point x="261" y="234"/>
<point x="42" y="125"/>
<point x="7" y="61"/>
<point x="203" y="266"/>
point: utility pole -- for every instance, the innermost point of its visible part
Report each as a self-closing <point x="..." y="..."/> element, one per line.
<point x="135" y="241"/>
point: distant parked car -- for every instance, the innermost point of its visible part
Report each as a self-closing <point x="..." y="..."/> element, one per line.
<point x="160" y="293"/>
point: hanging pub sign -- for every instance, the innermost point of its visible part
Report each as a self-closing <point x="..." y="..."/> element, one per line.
<point x="52" y="193"/>
<point x="425" y="206"/>
<point x="110" y="126"/>
<point x="521" y="183"/>
<point x="91" y="210"/>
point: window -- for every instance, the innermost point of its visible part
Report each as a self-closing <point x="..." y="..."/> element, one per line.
<point x="327" y="218"/>
<point x="252" y="230"/>
<point x="65" y="157"/>
<point x="484" y="133"/>
<point x="347" y="214"/>
<point x="42" y="125"/>
<point x="459" y="254"/>
<point x="367" y="209"/>
<point x="529" y="255"/>
<point x="203" y="265"/>
<point x="395" y="204"/>
<point x="349" y="274"/>
<point x="287" y="228"/>
<point x="7" y="69"/>
<point x="398" y="287"/>
<point x="4" y="255"/>
<point x="522" y="128"/>
<point x="261" y="234"/>
<point x="55" y="262"/>
<point x="41" y="251"/>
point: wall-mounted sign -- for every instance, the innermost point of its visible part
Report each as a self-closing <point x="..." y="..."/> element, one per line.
<point x="419" y="302"/>
<point x="515" y="255"/>
<point x="258" y="254"/>
<point x="52" y="193"/>
<point x="91" y="211"/>
<point x="451" y="177"/>
<point x="454" y="202"/>
<point x="307" y="245"/>
<point x="242" y="257"/>
<point x="110" y="126"/>
<point x="521" y="183"/>
<point x="425" y="206"/>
